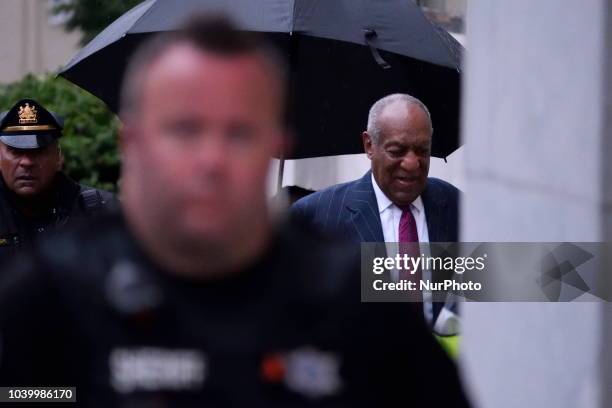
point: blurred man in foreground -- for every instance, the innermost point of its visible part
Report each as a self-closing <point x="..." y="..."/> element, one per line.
<point x="36" y="197"/>
<point x="194" y="297"/>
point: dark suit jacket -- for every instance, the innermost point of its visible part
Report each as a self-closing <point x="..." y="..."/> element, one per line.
<point x="351" y="210"/>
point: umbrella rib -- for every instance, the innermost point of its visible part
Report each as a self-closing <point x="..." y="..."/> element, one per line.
<point x="445" y="43"/>
<point x="146" y="13"/>
<point x="293" y="18"/>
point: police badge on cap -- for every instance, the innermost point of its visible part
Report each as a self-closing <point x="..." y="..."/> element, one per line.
<point x="28" y="125"/>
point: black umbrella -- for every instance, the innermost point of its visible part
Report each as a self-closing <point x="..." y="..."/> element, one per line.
<point x="343" y="56"/>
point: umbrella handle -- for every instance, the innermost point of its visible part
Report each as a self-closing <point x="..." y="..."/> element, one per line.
<point x="369" y="36"/>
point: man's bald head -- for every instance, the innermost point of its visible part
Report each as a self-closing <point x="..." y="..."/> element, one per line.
<point x="392" y="101"/>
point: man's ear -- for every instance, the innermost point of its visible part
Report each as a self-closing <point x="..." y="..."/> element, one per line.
<point x="123" y="135"/>
<point x="368" y="145"/>
<point x="127" y="136"/>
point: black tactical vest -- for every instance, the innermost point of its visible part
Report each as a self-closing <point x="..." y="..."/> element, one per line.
<point x="72" y="201"/>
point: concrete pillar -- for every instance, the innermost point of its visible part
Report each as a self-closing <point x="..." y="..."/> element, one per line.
<point x="537" y="120"/>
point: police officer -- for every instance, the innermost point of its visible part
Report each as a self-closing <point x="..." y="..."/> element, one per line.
<point x="36" y="197"/>
<point x="195" y="296"/>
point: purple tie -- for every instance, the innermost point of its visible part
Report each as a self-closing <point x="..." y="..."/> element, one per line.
<point x="409" y="245"/>
<point x="407" y="227"/>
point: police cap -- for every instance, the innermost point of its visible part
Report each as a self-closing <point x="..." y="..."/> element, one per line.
<point x="28" y="125"/>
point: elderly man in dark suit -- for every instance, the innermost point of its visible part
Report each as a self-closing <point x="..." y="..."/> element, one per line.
<point x="395" y="201"/>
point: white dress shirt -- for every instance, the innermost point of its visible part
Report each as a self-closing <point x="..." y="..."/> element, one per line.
<point x="390" y="215"/>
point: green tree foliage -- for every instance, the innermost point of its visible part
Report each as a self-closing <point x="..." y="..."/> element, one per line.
<point x="93" y="16"/>
<point x="89" y="143"/>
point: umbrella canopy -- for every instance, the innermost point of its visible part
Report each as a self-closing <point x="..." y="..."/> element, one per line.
<point x="343" y="56"/>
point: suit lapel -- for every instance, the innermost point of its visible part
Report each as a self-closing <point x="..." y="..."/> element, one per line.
<point x="365" y="218"/>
